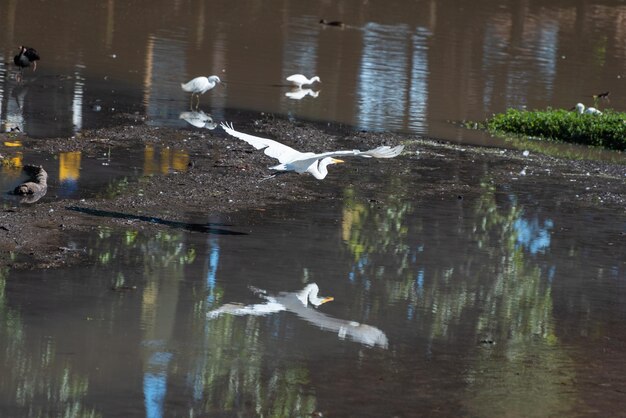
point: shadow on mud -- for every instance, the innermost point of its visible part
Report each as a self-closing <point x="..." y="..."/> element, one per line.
<point x="205" y="228"/>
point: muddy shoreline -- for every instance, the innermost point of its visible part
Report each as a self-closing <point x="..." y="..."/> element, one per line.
<point x="223" y="177"/>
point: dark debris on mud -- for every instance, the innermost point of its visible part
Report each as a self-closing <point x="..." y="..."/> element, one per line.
<point x="223" y="177"/>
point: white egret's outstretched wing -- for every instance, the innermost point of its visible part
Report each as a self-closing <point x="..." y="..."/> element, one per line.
<point x="259" y="309"/>
<point x="274" y="149"/>
<point x="362" y="333"/>
<point x="383" y="151"/>
<point x="286" y="154"/>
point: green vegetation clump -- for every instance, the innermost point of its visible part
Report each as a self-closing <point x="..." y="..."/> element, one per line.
<point x="607" y="130"/>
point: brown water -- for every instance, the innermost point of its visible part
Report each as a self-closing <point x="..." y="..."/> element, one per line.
<point x="396" y="65"/>
<point x="509" y="302"/>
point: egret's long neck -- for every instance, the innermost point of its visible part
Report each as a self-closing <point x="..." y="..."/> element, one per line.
<point x="320" y="172"/>
<point x="309" y="291"/>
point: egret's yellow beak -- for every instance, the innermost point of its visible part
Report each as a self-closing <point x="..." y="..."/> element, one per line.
<point x="328" y="299"/>
<point x="336" y="161"/>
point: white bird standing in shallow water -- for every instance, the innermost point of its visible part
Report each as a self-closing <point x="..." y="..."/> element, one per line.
<point x="580" y="108"/>
<point x="307" y="162"/>
<point x="301" y="80"/>
<point x="200" y="85"/>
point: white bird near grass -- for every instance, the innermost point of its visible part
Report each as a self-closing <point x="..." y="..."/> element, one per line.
<point x="301" y="80"/>
<point x="200" y="85"/>
<point x="580" y="108"/>
<point x="307" y="162"/>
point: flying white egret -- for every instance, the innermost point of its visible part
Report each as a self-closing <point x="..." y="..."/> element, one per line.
<point x="200" y="85"/>
<point x="298" y="303"/>
<point x="307" y="162"/>
<point x="300" y="80"/>
<point x="580" y="108"/>
<point x="300" y="93"/>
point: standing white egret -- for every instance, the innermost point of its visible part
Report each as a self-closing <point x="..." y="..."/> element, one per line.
<point x="298" y="303"/>
<point x="307" y="162"/>
<point x="200" y="85"/>
<point x="580" y="108"/>
<point x="300" y="80"/>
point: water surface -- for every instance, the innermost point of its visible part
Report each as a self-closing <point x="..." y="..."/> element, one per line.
<point x="506" y="302"/>
<point x="402" y="66"/>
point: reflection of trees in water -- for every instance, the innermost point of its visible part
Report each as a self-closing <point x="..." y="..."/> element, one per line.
<point x="163" y="249"/>
<point x="38" y="376"/>
<point x="455" y="268"/>
<point x="389" y="233"/>
<point x="469" y="279"/>
<point x="227" y="372"/>
<point x="36" y="381"/>
<point x="233" y="373"/>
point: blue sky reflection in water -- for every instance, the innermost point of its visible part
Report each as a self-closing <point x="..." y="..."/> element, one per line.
<point x="505" y="286"/>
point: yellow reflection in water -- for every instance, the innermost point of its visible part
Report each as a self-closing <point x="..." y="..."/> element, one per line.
<point x="69" y="166"/>
<point x="180" y="160"/>
<point x="12" y="165"/>
<point x="13" y="144"/>
<point x="148" y="160"/>
<point x="165" y="161"/>
<point x="351" y="225"/>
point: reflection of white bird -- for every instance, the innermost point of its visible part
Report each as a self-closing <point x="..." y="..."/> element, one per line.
<point x="307" y="162"/>
<point x="198" y="119"/>
<point x="200" y="85"/>
<point x="298" y="303"/>
<point x="580" y="108"/>
<point x="299" y="93"/>
<point x="300" y="80"/>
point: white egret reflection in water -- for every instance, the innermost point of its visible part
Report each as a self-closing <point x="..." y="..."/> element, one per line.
<point x="300" y="93"/>
<point x="199" y="119"/>
<point x="298" y="303"/>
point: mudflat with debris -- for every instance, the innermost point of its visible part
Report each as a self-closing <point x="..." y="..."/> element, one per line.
<point x="223" y="176"/>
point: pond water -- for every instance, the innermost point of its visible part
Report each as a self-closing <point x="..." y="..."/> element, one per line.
<point x="409" y="66"/>
<point x="508" y="302"/>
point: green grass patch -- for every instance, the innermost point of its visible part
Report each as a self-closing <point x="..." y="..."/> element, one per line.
<point x="607" y="130"/>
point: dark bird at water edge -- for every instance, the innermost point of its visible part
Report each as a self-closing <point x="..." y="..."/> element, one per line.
<point x="332" y="23"/>
<point x="26" y="56"/>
